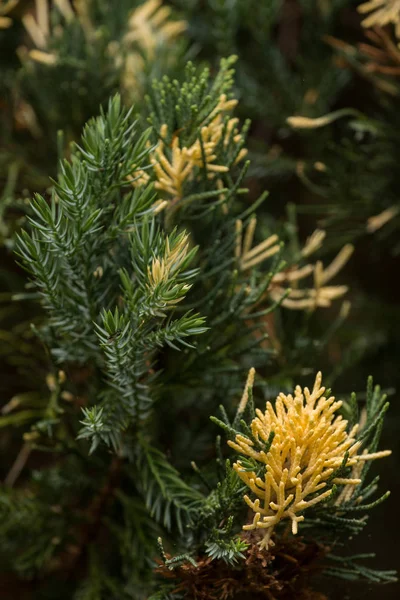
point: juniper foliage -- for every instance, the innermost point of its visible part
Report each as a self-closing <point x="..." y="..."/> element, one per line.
<point x="120" y="284"/>
<point x="139" y="292"/>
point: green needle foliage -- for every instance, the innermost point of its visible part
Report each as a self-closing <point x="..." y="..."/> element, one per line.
<point x="152" y="310"/>
<point x="126" y="291"/>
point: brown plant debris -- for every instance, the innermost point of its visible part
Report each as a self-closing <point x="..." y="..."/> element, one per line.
<point x="278" y="573"/>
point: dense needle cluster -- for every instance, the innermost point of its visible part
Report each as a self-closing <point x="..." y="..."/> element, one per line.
<point x="176" y="165"/>
<point x="300" y="444"/>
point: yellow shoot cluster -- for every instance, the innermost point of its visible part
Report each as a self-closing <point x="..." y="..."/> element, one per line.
<point x="163" y="268"/>
<point x="247" y="256"/>
<point x="382" y="12"/>
<point x="5" y="9"/>
<point x="39" y="29"/>
<point x="320" y="295"/>
<point x="149" y="26"/>
<point x="172" y="171"/>
<point x="310" y="442"/>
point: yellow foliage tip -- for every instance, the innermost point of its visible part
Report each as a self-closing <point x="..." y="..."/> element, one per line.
<point x="310" y="442"/>
<point x="381" y="13"/>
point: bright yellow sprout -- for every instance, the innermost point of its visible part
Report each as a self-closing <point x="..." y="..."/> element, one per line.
<point x="39" y="28"/>
<point x="211" y="136"/>
<point x="320" y="295"/>
<point x="250" y="257"/>
<point x="164" y="267"/>
<point x="149" y="26"/>
<point x="300" y="122"/>
<point x="5" y="9"/>
<point x="176" y="168"/>
<point x="310" y="442"/>
<point x="382" y="12"/>
<point x="377" y="221"/>
<point x="171" y="173"/>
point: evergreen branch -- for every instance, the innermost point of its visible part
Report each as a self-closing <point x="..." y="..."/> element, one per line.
<point x="169" y="500"/>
